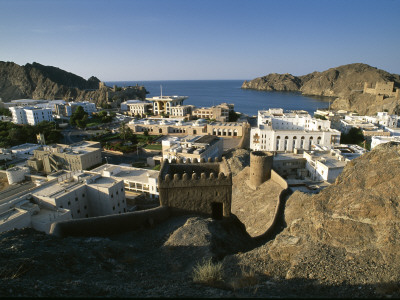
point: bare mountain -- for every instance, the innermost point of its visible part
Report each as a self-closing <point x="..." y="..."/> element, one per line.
<point x="37" y="81"/>
<point x="335" y="82"/>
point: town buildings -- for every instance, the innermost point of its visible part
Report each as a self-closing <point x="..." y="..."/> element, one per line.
<point x="66" y="195"/>
<point x="285" y="131"/>
<point x="140" y="108"/>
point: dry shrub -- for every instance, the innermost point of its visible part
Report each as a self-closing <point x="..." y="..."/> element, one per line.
<point x="248" y="278"/>
<point x="207" y="272"/>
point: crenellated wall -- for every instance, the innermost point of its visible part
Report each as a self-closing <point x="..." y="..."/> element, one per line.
<point x="196" y="187"/>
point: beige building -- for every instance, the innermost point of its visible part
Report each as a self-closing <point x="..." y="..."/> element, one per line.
<point x="181" y="110"/>
<point x="75" y="157"/>
<point x="219" y="112"/>
<point x="198" y="127"/>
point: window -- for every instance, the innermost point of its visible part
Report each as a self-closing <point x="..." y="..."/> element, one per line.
<point x="76" y="198"/>
<point x="83" y="195"/>
<point x="69" y="203"/>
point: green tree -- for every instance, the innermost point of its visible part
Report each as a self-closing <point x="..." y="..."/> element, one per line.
<point x="5" y="112"/>
<point x="79" y="116"/>
<point x="354" y="136"/>
<point x="233" y="116"/>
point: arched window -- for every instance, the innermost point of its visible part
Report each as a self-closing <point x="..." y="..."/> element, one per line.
<point x="318" y="140"/>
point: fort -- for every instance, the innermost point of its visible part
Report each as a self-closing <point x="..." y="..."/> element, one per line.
<point x="382" y="89"/>
<point x="204" y="188"/>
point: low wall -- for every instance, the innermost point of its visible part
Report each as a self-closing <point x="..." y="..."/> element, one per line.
<point x="108" y="225"/>
<point x="279" y="209"/>
<point x="113" y="152"/>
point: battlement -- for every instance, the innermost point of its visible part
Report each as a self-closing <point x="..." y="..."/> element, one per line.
<point x="203" y="187"/>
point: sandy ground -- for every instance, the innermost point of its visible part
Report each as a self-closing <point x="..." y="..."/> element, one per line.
<point x="3" y="183"/>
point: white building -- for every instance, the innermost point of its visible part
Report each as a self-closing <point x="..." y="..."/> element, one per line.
<point x="280" y="131"/>
<point x="87" y="106"/>
<point x="327" y="165"/>
<point x="30" y="115"/>
<point x="192" y="147"/>
<point x="135" y="179"/>
<point x="140" y="108"/>
<point x="16" y="174"/>
<point x="124" y="105"/>
<point x="377" y="140"/>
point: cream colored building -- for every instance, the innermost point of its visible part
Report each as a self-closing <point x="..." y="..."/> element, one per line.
<point x="182" y="110"/>
<point x="219" y="112"/>
<point x="181" y="128"/>
<point x="75" y="157"/>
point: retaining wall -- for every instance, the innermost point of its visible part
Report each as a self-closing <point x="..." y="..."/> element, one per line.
<point x="113" y="224"/>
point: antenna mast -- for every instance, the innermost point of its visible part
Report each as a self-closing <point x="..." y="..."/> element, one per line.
<point x="161" y="90"/>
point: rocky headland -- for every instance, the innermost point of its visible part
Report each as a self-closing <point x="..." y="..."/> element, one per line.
<point x="344" y="83"/>
<point x="36" y="81"/>
<point x="341" y="242"/>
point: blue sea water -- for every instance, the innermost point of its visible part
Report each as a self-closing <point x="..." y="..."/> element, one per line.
<point x="205" y="93"/>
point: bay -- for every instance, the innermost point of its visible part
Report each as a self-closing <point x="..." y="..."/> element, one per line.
<point x="205" y="93"/>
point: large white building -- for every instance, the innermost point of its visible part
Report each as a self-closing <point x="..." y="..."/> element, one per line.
<point x="285" y="131"/>
<point x="30" y="115"/>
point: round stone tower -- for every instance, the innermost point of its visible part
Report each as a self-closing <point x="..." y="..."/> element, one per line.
<point x="260" y="167"/>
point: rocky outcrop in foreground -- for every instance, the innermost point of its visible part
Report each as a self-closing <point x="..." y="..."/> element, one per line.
<point x="347" y="234"/>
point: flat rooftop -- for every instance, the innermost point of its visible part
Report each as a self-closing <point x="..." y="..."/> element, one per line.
<point x="128" y="173"/>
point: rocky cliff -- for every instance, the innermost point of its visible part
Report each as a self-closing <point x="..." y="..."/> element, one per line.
<point x="335" y="82"/>
<point x="36" y="81"/>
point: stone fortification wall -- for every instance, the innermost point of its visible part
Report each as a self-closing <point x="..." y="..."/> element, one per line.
<point x="196" y="187"/>
<point x="260" y="167"/>
<point x="107" y="225"/>
<point x="279" y="209"/>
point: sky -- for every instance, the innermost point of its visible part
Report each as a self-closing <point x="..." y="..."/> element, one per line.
<point x="137" y="40"/>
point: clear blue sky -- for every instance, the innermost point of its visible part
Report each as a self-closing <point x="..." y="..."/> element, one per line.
<point x="193" y="39"/>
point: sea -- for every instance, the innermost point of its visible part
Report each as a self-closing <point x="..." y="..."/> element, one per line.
<point x="205" y="93"/>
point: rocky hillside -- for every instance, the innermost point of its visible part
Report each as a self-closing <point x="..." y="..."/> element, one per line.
<point x="335" y="82"/>
<point x="35" y="81"/>
<point x="346" y="235"/>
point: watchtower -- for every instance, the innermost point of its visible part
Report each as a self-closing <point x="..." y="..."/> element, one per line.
<point x="260" y="167"/>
